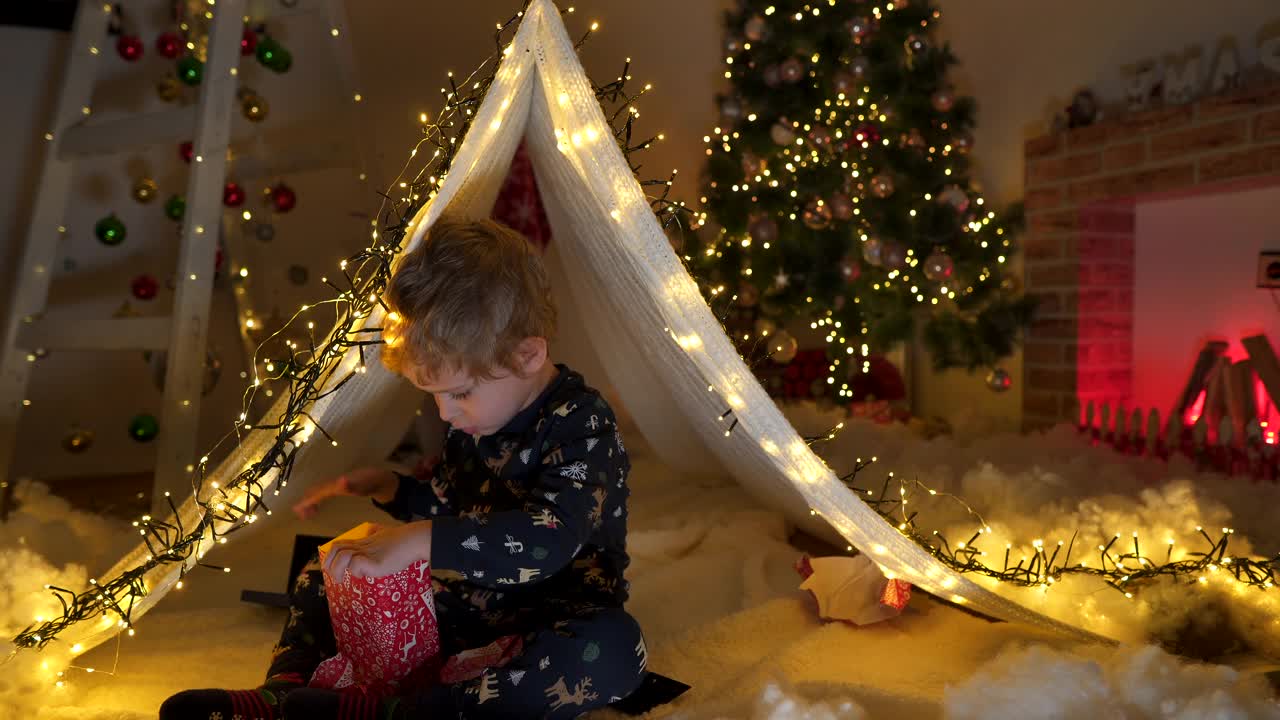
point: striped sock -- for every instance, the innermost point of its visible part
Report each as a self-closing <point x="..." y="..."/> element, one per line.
<point x="255" y="704"/>
<point x="321" y="704"/>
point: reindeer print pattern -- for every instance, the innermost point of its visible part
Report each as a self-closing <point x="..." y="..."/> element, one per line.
<point x="533" y="518"/>
<point x="498" y="462"/>
<point x="589" y="658"/>
<point x="560" y="695"/>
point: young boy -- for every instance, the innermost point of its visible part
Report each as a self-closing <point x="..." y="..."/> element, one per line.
<point x="523" y="519"/>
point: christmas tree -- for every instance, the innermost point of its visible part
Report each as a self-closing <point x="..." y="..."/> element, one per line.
<point x="838" y="190"/>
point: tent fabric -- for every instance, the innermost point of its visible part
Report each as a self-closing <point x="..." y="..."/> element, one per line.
<point x="632" y="317"/>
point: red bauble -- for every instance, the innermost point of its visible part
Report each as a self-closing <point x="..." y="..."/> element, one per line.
<point x="232" y="195"/>
<point x="145" y="287"/>
<point x="283" y="198"/>
<point x="867" y="132"/>
<point x="248" y="41"/>
<point x="169" y="45"/>
<point x="186" y="150"/>
<point x="130" y="47"/>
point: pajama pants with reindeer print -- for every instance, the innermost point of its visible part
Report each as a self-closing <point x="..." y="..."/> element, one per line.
<point x="571" y="659"/>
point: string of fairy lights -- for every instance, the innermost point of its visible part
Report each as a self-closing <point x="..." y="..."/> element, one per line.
<point x="1121" y="563"/>
<point x="317" y="370"/>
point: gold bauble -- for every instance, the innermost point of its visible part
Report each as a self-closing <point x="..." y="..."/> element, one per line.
<point x="169" y="89"/>
<point x="254" y="108"/>
<point x="783" y="347"/>
<point x="145" y="190"/>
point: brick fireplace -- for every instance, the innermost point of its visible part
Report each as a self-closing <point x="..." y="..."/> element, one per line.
<point x="1082" y="187"/>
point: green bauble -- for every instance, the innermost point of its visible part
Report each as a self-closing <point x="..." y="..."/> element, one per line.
<point x="283" y="61"/>
<point x="269" y="51"/>
<point x="144" y="427"/>
<point x="110" y="230"/>
<point x="175" y="206"/>
<point x="190" y="70"/>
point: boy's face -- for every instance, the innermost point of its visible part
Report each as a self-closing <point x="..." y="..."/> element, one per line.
<point x="482" y="407"/>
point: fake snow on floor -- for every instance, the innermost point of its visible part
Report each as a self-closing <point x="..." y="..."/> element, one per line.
<point x="715" y="590"/>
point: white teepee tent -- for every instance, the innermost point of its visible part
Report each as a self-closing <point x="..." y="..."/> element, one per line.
<point x="628" y="300"/>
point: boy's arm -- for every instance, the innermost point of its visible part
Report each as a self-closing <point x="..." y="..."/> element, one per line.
<point x="427" y="493"/>
<point x="583" y="462"/>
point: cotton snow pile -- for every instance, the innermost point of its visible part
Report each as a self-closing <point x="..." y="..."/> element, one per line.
<point x="1037" y="683"/>
<point x="1142" y="683"/>
<point x="1053" y="486"/>
<point x="778" y="701"/>
<point x="45" y="542"/>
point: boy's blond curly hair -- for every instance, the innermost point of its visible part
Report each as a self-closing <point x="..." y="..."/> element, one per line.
<point x="464" y="299"/>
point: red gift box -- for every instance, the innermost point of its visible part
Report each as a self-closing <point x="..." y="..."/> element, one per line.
<point x="385" y="627"/>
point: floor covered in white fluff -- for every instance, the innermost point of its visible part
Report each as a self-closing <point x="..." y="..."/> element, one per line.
<point x="716" y="593"/>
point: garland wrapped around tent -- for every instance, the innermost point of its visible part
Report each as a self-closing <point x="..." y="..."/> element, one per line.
<point x="317" y="372"/>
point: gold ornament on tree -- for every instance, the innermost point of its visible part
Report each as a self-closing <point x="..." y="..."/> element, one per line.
<point x="782" y="132"/>
<point x="145" y="190"/>
<point x="873" y="251"/>
<point x="816" y="215"/>
<point x="882" y="185"/>
<point x="783" y="347"/>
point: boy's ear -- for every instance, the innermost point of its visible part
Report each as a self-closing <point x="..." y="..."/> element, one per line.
<point x="531" y="355"/>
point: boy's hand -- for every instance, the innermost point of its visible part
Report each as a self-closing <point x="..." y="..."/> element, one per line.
<point x="386" y="552"/>
<point x="366" y="482"/>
